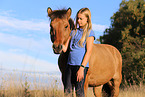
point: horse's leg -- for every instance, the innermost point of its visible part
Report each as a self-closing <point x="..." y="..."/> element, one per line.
<point x="117" y="80"/>
<point x="86" y="85"/>
<point x="111" y="88"/>
<point x="116" y="84"/>
<point x="108" y="89"/>
<point x="98" y="91"/>
<point x="117" y="76"/>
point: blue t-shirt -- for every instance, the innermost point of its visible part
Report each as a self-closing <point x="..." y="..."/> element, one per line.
<point x="77" y="52"/>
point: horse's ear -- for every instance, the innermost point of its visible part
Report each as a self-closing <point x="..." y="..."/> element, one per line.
<point x="49" y="10"/>
<point x="69" y="12"/>
<point x="72" y="26"/>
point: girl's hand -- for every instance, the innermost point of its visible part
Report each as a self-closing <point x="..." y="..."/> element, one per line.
<point x="80" y="74"/>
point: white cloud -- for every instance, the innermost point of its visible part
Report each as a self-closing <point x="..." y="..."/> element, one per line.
<point x="29" y="40"/>
<point x="40" y="49"/>
<point x="6" y="12"/>
<point x="25" y="43"/>
<point x="99" y="28"/>
<point x="27" y="52"/>
<point x="16" y="50"/>
<point x="24" y="62"/>
<point x="8" y="23"/>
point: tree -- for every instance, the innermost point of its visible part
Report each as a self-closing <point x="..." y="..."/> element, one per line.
<point x="127" y="34"/>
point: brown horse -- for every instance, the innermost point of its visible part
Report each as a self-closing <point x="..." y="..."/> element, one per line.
<point x="105" y="64"/>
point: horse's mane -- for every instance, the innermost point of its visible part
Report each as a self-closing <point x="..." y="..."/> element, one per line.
<point x="58" y="14"/>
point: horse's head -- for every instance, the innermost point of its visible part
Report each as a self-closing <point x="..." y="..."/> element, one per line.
<point x="60" y="27"/>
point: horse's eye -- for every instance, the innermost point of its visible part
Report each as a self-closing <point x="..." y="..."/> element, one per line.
<point x="66" y="26"/>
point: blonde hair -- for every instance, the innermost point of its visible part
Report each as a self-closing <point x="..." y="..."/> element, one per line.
<point x="87" y="28"/>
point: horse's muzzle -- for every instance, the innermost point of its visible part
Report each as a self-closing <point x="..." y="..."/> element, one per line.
<point x="57" y="48"/>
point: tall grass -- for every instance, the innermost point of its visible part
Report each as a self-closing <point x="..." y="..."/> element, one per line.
<point x="29" y="85"/>
<point x="133" y="91"/>
<point x="12" y="85"/>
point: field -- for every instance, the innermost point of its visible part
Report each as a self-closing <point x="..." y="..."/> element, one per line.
<point x="12" y="85"/>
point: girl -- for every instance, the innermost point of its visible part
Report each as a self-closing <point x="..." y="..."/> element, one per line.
<point x="81" y="43"/>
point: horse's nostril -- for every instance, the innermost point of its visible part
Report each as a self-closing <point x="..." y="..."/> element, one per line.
<point x="60" y="46"/>
<point x="54" y="47"/>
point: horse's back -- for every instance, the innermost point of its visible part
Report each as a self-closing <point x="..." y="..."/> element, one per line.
<point x="104" y="64"/>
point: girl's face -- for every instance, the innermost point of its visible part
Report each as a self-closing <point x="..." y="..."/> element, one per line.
<point x="82" y="20"/>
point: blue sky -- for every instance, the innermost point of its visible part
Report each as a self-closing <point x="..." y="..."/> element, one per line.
<point x="24" y="30"/>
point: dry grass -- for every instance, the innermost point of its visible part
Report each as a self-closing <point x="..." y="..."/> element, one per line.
<point x="10" y="87"/>
<point x="133" y="91"/>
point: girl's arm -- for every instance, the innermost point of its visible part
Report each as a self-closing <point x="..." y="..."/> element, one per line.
<point x="89" y="46"/>
<point x="65" y="46"/>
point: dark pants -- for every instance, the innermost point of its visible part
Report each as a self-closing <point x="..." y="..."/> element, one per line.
<point x="71" y="80"/>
